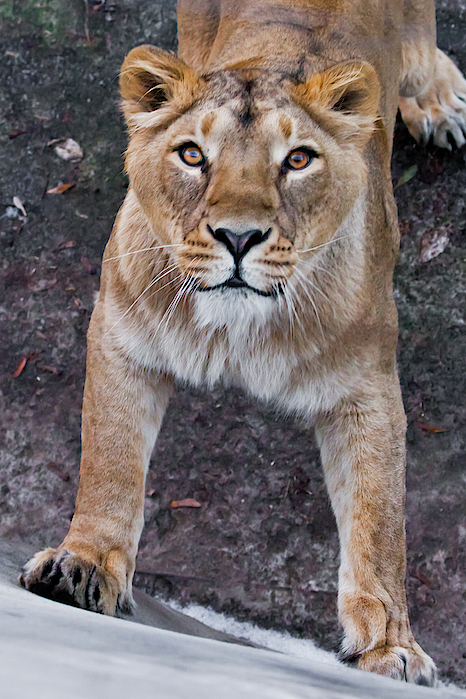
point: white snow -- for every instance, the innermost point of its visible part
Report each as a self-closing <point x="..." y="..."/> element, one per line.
<point x="267" y="638"/>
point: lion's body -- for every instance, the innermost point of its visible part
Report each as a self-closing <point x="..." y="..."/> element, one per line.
<point x="256" y="247"/>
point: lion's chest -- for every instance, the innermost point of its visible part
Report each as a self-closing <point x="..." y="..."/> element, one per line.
<point x="269" y="368"/>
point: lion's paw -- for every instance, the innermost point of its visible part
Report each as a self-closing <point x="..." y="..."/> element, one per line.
<point x="399" y="663"/>
<point x="63" y="576"/>
<point x="440" y="111"/>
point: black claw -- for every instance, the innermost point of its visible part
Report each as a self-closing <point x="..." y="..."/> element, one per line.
<point x="88" y="591"/>
<point x="451" y="140"/>
<point x="350" y="659"/>
<point x="64" y="597"/>
<point x="404" y="659"/>
<point x="55" y="578"/>
<point x="124" y="606"/>
<point x="47" y="569"/>
<point x="96" y="594"/>
<point x="77" y="576"/>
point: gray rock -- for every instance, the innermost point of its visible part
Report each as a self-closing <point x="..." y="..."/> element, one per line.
<point x="52" y="651"/>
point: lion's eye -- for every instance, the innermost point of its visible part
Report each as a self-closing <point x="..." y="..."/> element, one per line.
<point x="299" y="159"/>
<point x="191" y="155"/>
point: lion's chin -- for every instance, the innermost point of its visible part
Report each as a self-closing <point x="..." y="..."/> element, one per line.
<point x="228" y="307"/>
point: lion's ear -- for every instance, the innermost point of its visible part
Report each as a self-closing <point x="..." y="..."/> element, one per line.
<point x="349" y="92"/>
<point x="152" y="79"/>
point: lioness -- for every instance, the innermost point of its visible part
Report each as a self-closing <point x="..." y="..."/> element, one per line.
<point x="256" y="247"/>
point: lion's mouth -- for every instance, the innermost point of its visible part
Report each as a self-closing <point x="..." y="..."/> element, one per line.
<point x="236" y="282"/>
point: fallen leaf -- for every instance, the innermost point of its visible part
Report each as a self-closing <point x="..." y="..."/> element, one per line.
<point x="16" y="132"/>
<point x="86" y="263"/>
<point x="44" y="284"/>
<point x="419" y="575"/>
<point x="187" y="502"/>
<point x="406" y="176"/>
<point x="78" y="303"/>
<point x="19" y="205"/>
<point x="434" y="243"/>
<point x="88" y="266"/>
<point x="85" y="38"/>
<point x="427" y="428"/>
<point x="55" y="468"/>
<point x="47" y="367"/>
<point x="69" y="150"/>
<point x="44" y="116"/>
<point x="66" y="244"/>
<point x="20" y="367"/>
<point x="60" y="188"/>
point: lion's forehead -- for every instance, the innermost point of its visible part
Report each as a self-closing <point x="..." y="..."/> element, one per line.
<point x="249" y="106"/>
<point x="229" y="128"/>
<point x="248" y="86"/>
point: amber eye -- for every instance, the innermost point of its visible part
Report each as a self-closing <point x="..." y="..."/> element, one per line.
<point x="191" y="155"/>
<point x="299" y="159"/>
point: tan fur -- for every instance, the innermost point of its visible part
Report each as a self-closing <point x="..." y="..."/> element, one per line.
<point x="315" y="329"/>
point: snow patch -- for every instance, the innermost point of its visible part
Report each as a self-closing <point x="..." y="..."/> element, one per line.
<point x="268" y="638"/>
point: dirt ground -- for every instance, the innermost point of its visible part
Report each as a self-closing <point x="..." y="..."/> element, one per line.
<point x="263" y="545"/>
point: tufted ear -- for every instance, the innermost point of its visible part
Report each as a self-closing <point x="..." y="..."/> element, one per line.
<point x="155" y="80"/>
<point x="349" y="93"/>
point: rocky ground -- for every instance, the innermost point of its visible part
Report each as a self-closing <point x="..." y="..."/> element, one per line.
<point x="263" y="544"/>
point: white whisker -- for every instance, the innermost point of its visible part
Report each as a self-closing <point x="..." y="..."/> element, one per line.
<point x="313" y="303"/>
<point x="282" y="302"/>
<point x="311" y="263"/>
<point x="305" y="279"/>
<point x="329" y="242"/>
<point x="149" y="286"/>
<point x="188" y="282"/>
<point x="291" y="305"/>
<point x="186" y="285"/>
<point x="134" y="252"/>
<point x="172" y="281"/>
<point x="165" y="272"/>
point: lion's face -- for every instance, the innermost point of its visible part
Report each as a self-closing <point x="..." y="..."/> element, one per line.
<point x="242" y="171"/>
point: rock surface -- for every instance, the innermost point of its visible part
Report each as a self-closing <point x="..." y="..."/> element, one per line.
<point x="62" y="651"/>
<point x="263" y="544"/>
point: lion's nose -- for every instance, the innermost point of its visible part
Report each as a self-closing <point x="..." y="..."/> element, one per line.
<point x="239" y="243"/>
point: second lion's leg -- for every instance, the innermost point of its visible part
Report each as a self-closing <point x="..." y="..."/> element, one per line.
<point x="122" y="412"/>
<point x="432" y="89"/>
<point x="362" y="450"/>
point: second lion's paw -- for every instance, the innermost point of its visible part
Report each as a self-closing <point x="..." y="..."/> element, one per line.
<point x="440" y="111"/>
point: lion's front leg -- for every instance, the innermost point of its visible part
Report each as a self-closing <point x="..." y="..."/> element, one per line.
<point x="362" y="449"/>
<point x="122" y="412"/>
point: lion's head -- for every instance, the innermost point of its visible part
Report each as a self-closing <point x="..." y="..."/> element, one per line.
<point x="243" y="169"/>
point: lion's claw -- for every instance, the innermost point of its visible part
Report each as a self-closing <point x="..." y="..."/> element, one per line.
<point x="399" y="663"/>
<point x="63" y="576"/>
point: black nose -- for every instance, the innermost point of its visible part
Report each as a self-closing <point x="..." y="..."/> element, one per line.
<point x="239" y="243"/>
